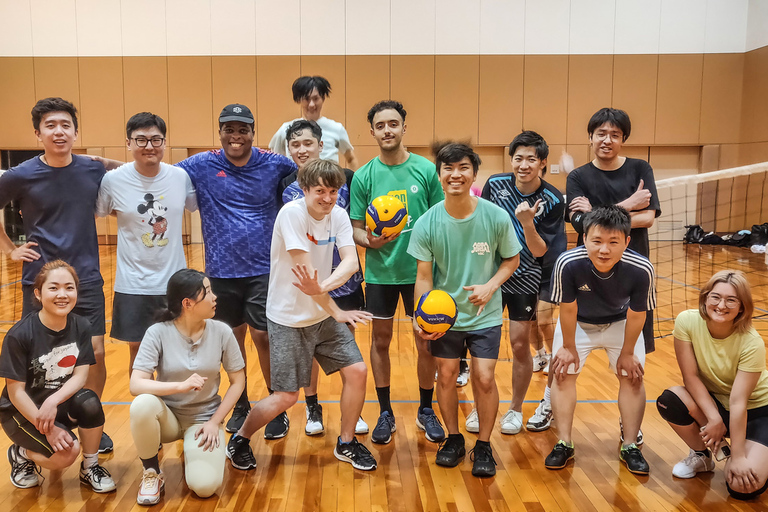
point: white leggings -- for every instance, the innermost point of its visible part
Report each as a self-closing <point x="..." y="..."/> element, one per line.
<point x="152" y="422"/>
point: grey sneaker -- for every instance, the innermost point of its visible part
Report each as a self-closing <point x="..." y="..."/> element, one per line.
<point x="382" y="432"/>
<point x="97" y="477"/>
<point x="427" y="421"/>
<point x="24" y="472"/>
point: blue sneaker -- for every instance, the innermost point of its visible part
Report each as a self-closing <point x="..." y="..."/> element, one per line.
<point x="382" y="433"/>
<point x="427" y="421"/>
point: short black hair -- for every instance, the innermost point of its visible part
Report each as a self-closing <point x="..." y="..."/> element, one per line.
<point x="614" y="116"/>
<point x="48" y="105"/>
<point x="144" y="120"/>
<point x="298" y="126"/>
<point x="302" y="87"/>
<point x="453" y="152"/>
<point x="609" y="217"/>
<point x="386" y="105"/>
<point x="530" y="139"/>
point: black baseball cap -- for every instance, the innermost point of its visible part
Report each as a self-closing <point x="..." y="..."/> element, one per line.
<point x="236" y="112"/>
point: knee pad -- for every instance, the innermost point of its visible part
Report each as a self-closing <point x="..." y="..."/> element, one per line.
<point x="86" y="409"/>
<point x="744" y="496"/>
<point x="672" y="409"/>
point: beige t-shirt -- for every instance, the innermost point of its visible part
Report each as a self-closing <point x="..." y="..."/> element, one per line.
<point x="720" y="359"/>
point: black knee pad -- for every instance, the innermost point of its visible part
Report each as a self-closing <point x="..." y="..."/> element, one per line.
<point x="744" y="496"/>
<point x="672" y="409"/>
<point x="85" y="408"/>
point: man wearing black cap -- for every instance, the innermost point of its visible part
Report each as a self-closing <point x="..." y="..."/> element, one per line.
<point x="237" y="196"/>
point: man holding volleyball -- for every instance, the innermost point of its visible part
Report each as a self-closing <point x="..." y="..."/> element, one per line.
<point x="465" y="246"/>
<point x="389" y="271"/>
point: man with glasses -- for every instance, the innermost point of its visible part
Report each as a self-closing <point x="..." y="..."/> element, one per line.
<point x="148" y="197"/>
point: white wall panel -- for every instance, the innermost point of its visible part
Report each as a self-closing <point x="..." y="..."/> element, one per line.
<point x="592" y="26"/>
<point x="683" y="25"/>
<point x="457" y="27"/>
<point x="637" y="26"/>
<point x="757" y="25"/>
<point x="547" y="26"/>
<point x="189" y="26"/>
<point x="278" y="27"/>
<point x="98" y="28"/>
<point x="367" y="24"/>
<point x="502" y="26"/>
<point x="49" y="39"/>
<point x="726" y="26"/>
<point x="15" y="29"/>
<point x="412" y="27"/>
<point x="227" y="39"/>
<point x="143" y="34"/>
<point x="322" y="27"/>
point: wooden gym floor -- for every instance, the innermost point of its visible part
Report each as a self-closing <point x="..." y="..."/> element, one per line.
<point x="301" y="473"/>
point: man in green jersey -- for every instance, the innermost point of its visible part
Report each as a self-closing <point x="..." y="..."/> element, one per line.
<point x="465" y="246"/>
<point x="389" y="271"/>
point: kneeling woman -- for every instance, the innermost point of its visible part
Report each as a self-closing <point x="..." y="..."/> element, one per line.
<point x="45" y="361"/>
<point x="185" y="351"/>
<point x="725" y="387"/>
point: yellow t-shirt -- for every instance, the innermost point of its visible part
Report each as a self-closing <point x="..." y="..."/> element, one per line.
<point x="719" y="360"/>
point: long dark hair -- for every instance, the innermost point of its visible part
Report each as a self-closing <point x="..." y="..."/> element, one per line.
<point x="186" y="283"/>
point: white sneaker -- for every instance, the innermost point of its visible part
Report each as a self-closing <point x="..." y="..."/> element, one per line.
<point x="97" y="477"/>
<point x="693" y="464"/>
<point x="473" y="422"/>
<point x="462" y="379"/>
<point x="24" y="472"/>
<point x="546" y="368"/>
<point x="511" y="422"/>
<point x="541" y="419"/>
<point x="361" y="427"/>
<point x="540" y="361"/>
<point x="314" y="424"/>
<point x="152" y="483"/>
<point x="639" y="441"/>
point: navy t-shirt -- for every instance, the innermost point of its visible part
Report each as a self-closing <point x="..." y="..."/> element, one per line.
<point x="58" y="210"/>
<point x="238" y="207"/>
<point x="604" y="298"/>
<point x="500" y="189"/>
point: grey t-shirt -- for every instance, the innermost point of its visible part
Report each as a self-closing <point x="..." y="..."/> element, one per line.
<point x="174" y="357"/>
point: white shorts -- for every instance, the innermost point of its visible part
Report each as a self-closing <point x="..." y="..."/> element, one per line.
<point x="589" y="337"/>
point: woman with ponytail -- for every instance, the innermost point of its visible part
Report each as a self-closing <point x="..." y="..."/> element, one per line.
<point x="176" y="383"/>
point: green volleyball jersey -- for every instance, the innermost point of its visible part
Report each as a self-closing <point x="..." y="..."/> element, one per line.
<point x="416" y="184"/>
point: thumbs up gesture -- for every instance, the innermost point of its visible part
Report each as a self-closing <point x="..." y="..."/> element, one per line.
<point x="639" y="200"/>
<point x="526" y="213"/>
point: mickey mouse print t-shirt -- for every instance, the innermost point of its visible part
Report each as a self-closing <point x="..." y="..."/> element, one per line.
<point x="43" y="359"/>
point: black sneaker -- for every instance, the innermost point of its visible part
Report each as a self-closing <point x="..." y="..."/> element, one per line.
<point x="483" y="463"/>
<point x="24" y="472"/>
<point x="240" y="454"/>
<point x="382" y="433"/>
<point x="238" y="417"/>
<point x="427" y="421"/>
<point x="633" y="458"/>
<point x="105" y="445"/>
<point x="451" y="451"/>
<point x="560" y="455"/>
<point x="278" y="427"/>
<point x="356" y="454"/>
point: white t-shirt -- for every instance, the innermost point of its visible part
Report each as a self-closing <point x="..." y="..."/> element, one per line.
<point x="150" y="213"/>
<point x="296" y="229"/>
<point x="335" y="139"/>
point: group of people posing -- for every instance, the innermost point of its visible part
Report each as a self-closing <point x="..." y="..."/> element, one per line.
<point x="281" y="230"/>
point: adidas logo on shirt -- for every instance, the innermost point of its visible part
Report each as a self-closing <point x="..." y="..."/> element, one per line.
<point x="585" y="288"/>
<point x="221" y="174"/>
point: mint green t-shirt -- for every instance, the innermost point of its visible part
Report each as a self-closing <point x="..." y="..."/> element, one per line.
<point x="416" y="184"/>
<point x="466" y="252"/>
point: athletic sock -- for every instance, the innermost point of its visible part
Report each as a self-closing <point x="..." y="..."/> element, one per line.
<point x="383" y="394"/>
<point x="243" y="400"/>
<point x="90" y="459"/>
<point x="425" y="398"/>
<point x="311" y="399"/>
<point x="704" y="453"/>
<point x="547" y="394"/>
<point x="152" y="463"/>
<point x="22" y="452"/>
<point x="342" y="442"/>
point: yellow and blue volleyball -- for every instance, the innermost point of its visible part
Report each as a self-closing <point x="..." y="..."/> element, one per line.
<point x="386" y="215"/>
<point x="436" y="311"/>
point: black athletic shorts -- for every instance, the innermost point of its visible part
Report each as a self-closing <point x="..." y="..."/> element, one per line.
<point x="355" y="301"/>
<point x="90" y="304"/>
<point x="520" y="307"/>
<point x="241" y="300"/>
<point x="23" y="433"/>
<point x="482" y="343"/>
<point x="381" y="299"/>
<point x="133" y="314"/>
<point x="757" y="422"/>
<point x="545" y="286"/>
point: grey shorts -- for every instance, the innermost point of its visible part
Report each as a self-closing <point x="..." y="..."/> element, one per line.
<point x="292" y="349"/>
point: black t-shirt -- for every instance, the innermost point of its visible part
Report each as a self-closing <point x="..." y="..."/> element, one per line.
<point x="612" y="187"/>
<point x="604" y="298"/>
<point x="42" y="358"/>
<point x="58" y="209"/>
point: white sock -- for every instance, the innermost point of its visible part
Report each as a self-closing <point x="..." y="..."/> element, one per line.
<point x="90" y="459"/>
<point x="23" y="452"/>
<point x="547" y="395"/>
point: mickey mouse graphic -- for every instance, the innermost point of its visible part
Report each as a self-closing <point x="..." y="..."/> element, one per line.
<point x="157" y="220"/>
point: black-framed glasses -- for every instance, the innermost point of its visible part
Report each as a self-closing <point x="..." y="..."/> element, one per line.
<point x="143" y="141"/>
<point x="714" y="299"/>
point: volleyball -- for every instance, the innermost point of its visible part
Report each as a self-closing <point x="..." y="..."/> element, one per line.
<point x="436" y="311"/>
<point x="386" y="215"/>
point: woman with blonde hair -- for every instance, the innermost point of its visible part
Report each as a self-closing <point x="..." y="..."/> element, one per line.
<point x="725" y="387"/>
